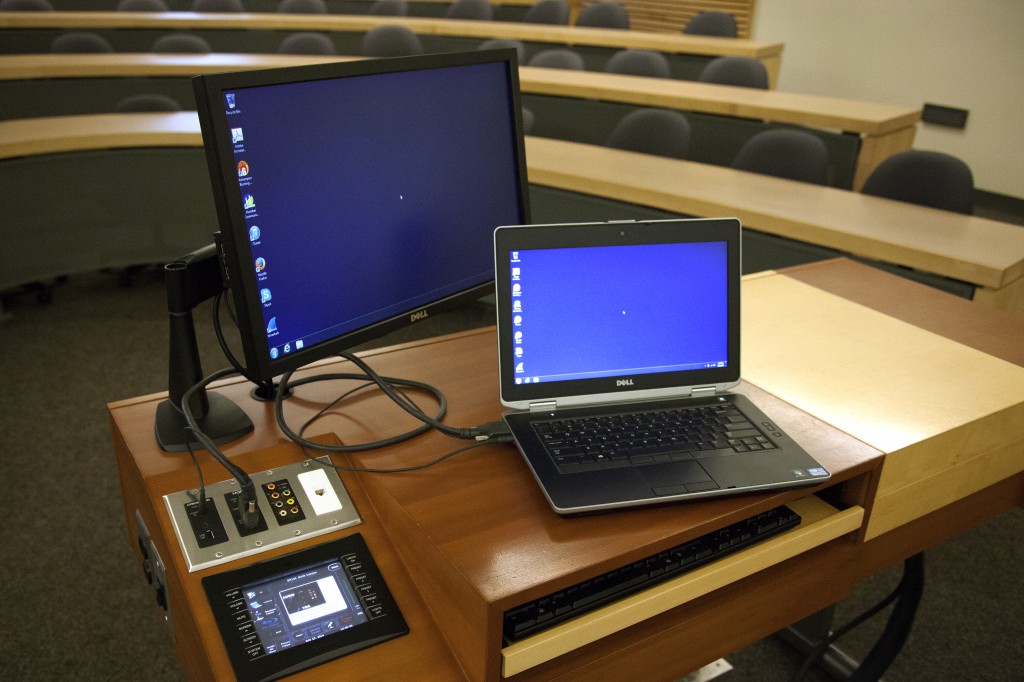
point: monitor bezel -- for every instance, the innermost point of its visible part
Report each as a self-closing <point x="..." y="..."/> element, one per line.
<point x="232" y="239"/>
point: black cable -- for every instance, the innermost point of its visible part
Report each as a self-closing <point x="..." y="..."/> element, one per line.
<point x="908" y="585"/>
<point x="897" y="628"/>
<point x="201" y="508"/>
<point x="403" y="470"/>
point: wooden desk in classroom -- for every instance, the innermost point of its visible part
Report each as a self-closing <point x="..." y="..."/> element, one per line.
<point x="859" y="135"/>
<point x="786" y="222"/>
<point x="912" y="398"/>
<point x="251" y="32"/>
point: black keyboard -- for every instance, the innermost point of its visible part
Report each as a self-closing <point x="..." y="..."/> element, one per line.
<point x="637" y="438"/>
<point x="558" y="607"/>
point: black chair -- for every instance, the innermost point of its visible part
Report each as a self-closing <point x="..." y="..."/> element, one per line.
<point x="80" y="42"/>
<point x="26" y="6"/>
<point x="479" y="10"/>
<point x="502" y="43"/>
<point x="142" y="6"/>
<point x="662" y="132"/>
<point x="745" y="72"/>
<point x="926" y="178"/>
<point x="302" y="7"/>
<point x="784" y="153"/>
<point x="148" y="103"/>
<point x="181" y="43"/>
<point x="389" y="8"/>
<point x="548" y="12"/>
<point x="557" y="58"/>
<point x="604" y="15"/>
<point x="718" y="24"/>
<point x="635" y="62"/>
<point x="217" y="6"/>
<point x="528" y="120"/>
<point x="307" y="42"/>
<point x="390" y="41"/>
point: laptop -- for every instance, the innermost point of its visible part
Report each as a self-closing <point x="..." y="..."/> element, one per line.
<point x="618" y="343"/>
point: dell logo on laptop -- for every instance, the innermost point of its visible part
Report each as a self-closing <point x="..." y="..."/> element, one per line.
<point x="623" y="382"/>
<point x="419" y="315"/>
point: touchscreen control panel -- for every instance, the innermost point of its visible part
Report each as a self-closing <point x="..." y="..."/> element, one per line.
<point x="296" y="611"/>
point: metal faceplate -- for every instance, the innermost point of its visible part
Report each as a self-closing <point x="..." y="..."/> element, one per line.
<point x="317" y="504"/>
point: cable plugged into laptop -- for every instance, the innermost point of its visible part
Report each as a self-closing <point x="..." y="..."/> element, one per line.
<point x="492" y="432"/>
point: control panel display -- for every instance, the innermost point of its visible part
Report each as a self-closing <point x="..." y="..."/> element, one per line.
<point x="304" y="605"/>
<point x="296" y="611"/>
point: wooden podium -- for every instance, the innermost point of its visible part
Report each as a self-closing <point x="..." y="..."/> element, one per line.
<point x="838" y="354"/>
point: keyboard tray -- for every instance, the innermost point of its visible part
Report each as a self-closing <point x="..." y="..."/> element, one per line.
<point x="558" y="607"/>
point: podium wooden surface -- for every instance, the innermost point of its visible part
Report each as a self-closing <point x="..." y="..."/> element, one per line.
<point x="829" y="351"/>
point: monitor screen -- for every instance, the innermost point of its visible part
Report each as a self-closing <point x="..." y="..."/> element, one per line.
<point x="360" y="196"/>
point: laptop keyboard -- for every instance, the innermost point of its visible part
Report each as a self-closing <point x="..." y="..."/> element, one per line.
<point x="648" y="437"/>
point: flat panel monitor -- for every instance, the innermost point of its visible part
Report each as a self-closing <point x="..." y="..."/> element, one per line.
<point x="359" y="196"/>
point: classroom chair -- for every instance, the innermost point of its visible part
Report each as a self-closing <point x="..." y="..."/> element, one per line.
<point x="181" y="43"/>
<point x="302" y="7"/>
<point x="80" y="42"/>
<point x="785" y="153"/>
<point x="925" y="178"/>
<point x="604" y="15"/>
<point x="479" y="10"/>
<point x="548" y="12"/>
<point x="720" y="24"/>
<point x="662" y="132"/>
<point x="557" y="58"/>
<point x="745" y="72"/>
<point x="390" y="41"/>
<point x="307" y="42"/>
<point x="636" y="62"/>
<point x="389" y="8"/>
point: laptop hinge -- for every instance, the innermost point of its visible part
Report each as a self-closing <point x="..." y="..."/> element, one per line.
<point x="703" y="390"/>
<point x="545" y="406"/>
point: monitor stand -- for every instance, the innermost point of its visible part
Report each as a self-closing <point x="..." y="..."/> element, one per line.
<point x="191" y="280"/>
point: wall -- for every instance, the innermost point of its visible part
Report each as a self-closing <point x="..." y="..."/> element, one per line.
<point x="962" y="54"/>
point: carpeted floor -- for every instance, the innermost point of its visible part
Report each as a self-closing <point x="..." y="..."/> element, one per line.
<point x="77" y="606"/>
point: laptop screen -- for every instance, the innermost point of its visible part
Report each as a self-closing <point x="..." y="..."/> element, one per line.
<point x="614" y="308"/>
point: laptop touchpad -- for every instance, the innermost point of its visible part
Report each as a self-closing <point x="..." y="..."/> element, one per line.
<point x="676" y="478"/>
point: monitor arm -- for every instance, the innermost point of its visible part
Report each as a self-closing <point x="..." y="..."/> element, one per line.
<point x="191" y="280"/>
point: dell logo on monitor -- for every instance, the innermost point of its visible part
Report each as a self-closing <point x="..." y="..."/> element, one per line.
<point x="419" y="315"/>
<point x="623" y="382"/>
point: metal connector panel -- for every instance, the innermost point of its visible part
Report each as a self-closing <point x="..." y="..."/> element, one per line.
<point x="291" y="501"/>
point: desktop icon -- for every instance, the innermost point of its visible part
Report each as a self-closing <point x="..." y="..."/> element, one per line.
<point x="519" y="368"/>
<point x="515" y="274"/>
<point x="273" y="353"/>
<point x="517" y="307"/>
<point x="236" y="135"/>
<point x="517" y="289"/>
<point x="254" y="233"/>
<point x="272" y="326"/>
<point x="519" y="351"/>
<point x="519" y="337"/>
<point x="287" y="348"/>
<point x="265" y="295"/>
<point x="243" y="169"/>
<point x="248" y="201"/>
<point x="230" y="97"/>
<point x="299" y="344"/>
<point x="261" y="264"/>
<point x="517" y="320"/>
<point x="515" y="256"/>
